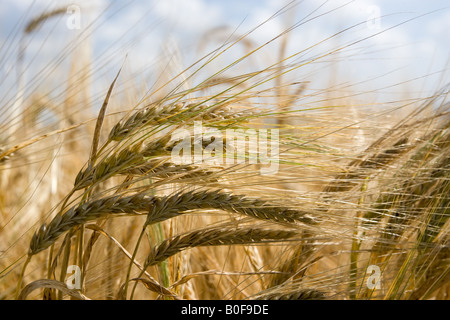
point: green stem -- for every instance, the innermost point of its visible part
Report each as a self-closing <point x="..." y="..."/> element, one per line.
<point x="22" y="274"/>
<point x="163" y="266"/>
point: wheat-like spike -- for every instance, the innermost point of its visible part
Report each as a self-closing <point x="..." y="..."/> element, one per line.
<point x="303" y="294"/>
<point x="415" y="188"/>
<point x="33" y="24"/>
<point x="154" y="115"/>
<point x="411" y="198"/>
<point x="122" y="162"/>
<point x="160" y="209"/>
<point x="347" y="181"/>
<point x="172" y="206"/>
<point x="386" y="156"/>
<point x="214" y="237"/>
<point x="109" y="165"/>
<point x="427" y="198"/>
<point x="157" y="168"/>
<point x="89" y="211"/>
<point x="49" y="283"/>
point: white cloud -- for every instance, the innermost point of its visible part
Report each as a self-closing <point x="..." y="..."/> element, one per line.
<point x="439" y="25"/>
<point x="423" y="39"/>
<point x="193" y="15"/>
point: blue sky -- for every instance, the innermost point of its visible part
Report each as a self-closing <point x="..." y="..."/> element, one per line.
<point x="149" y="31"/>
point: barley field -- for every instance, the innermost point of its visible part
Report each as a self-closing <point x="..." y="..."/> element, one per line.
<point x="260" y="160"/>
